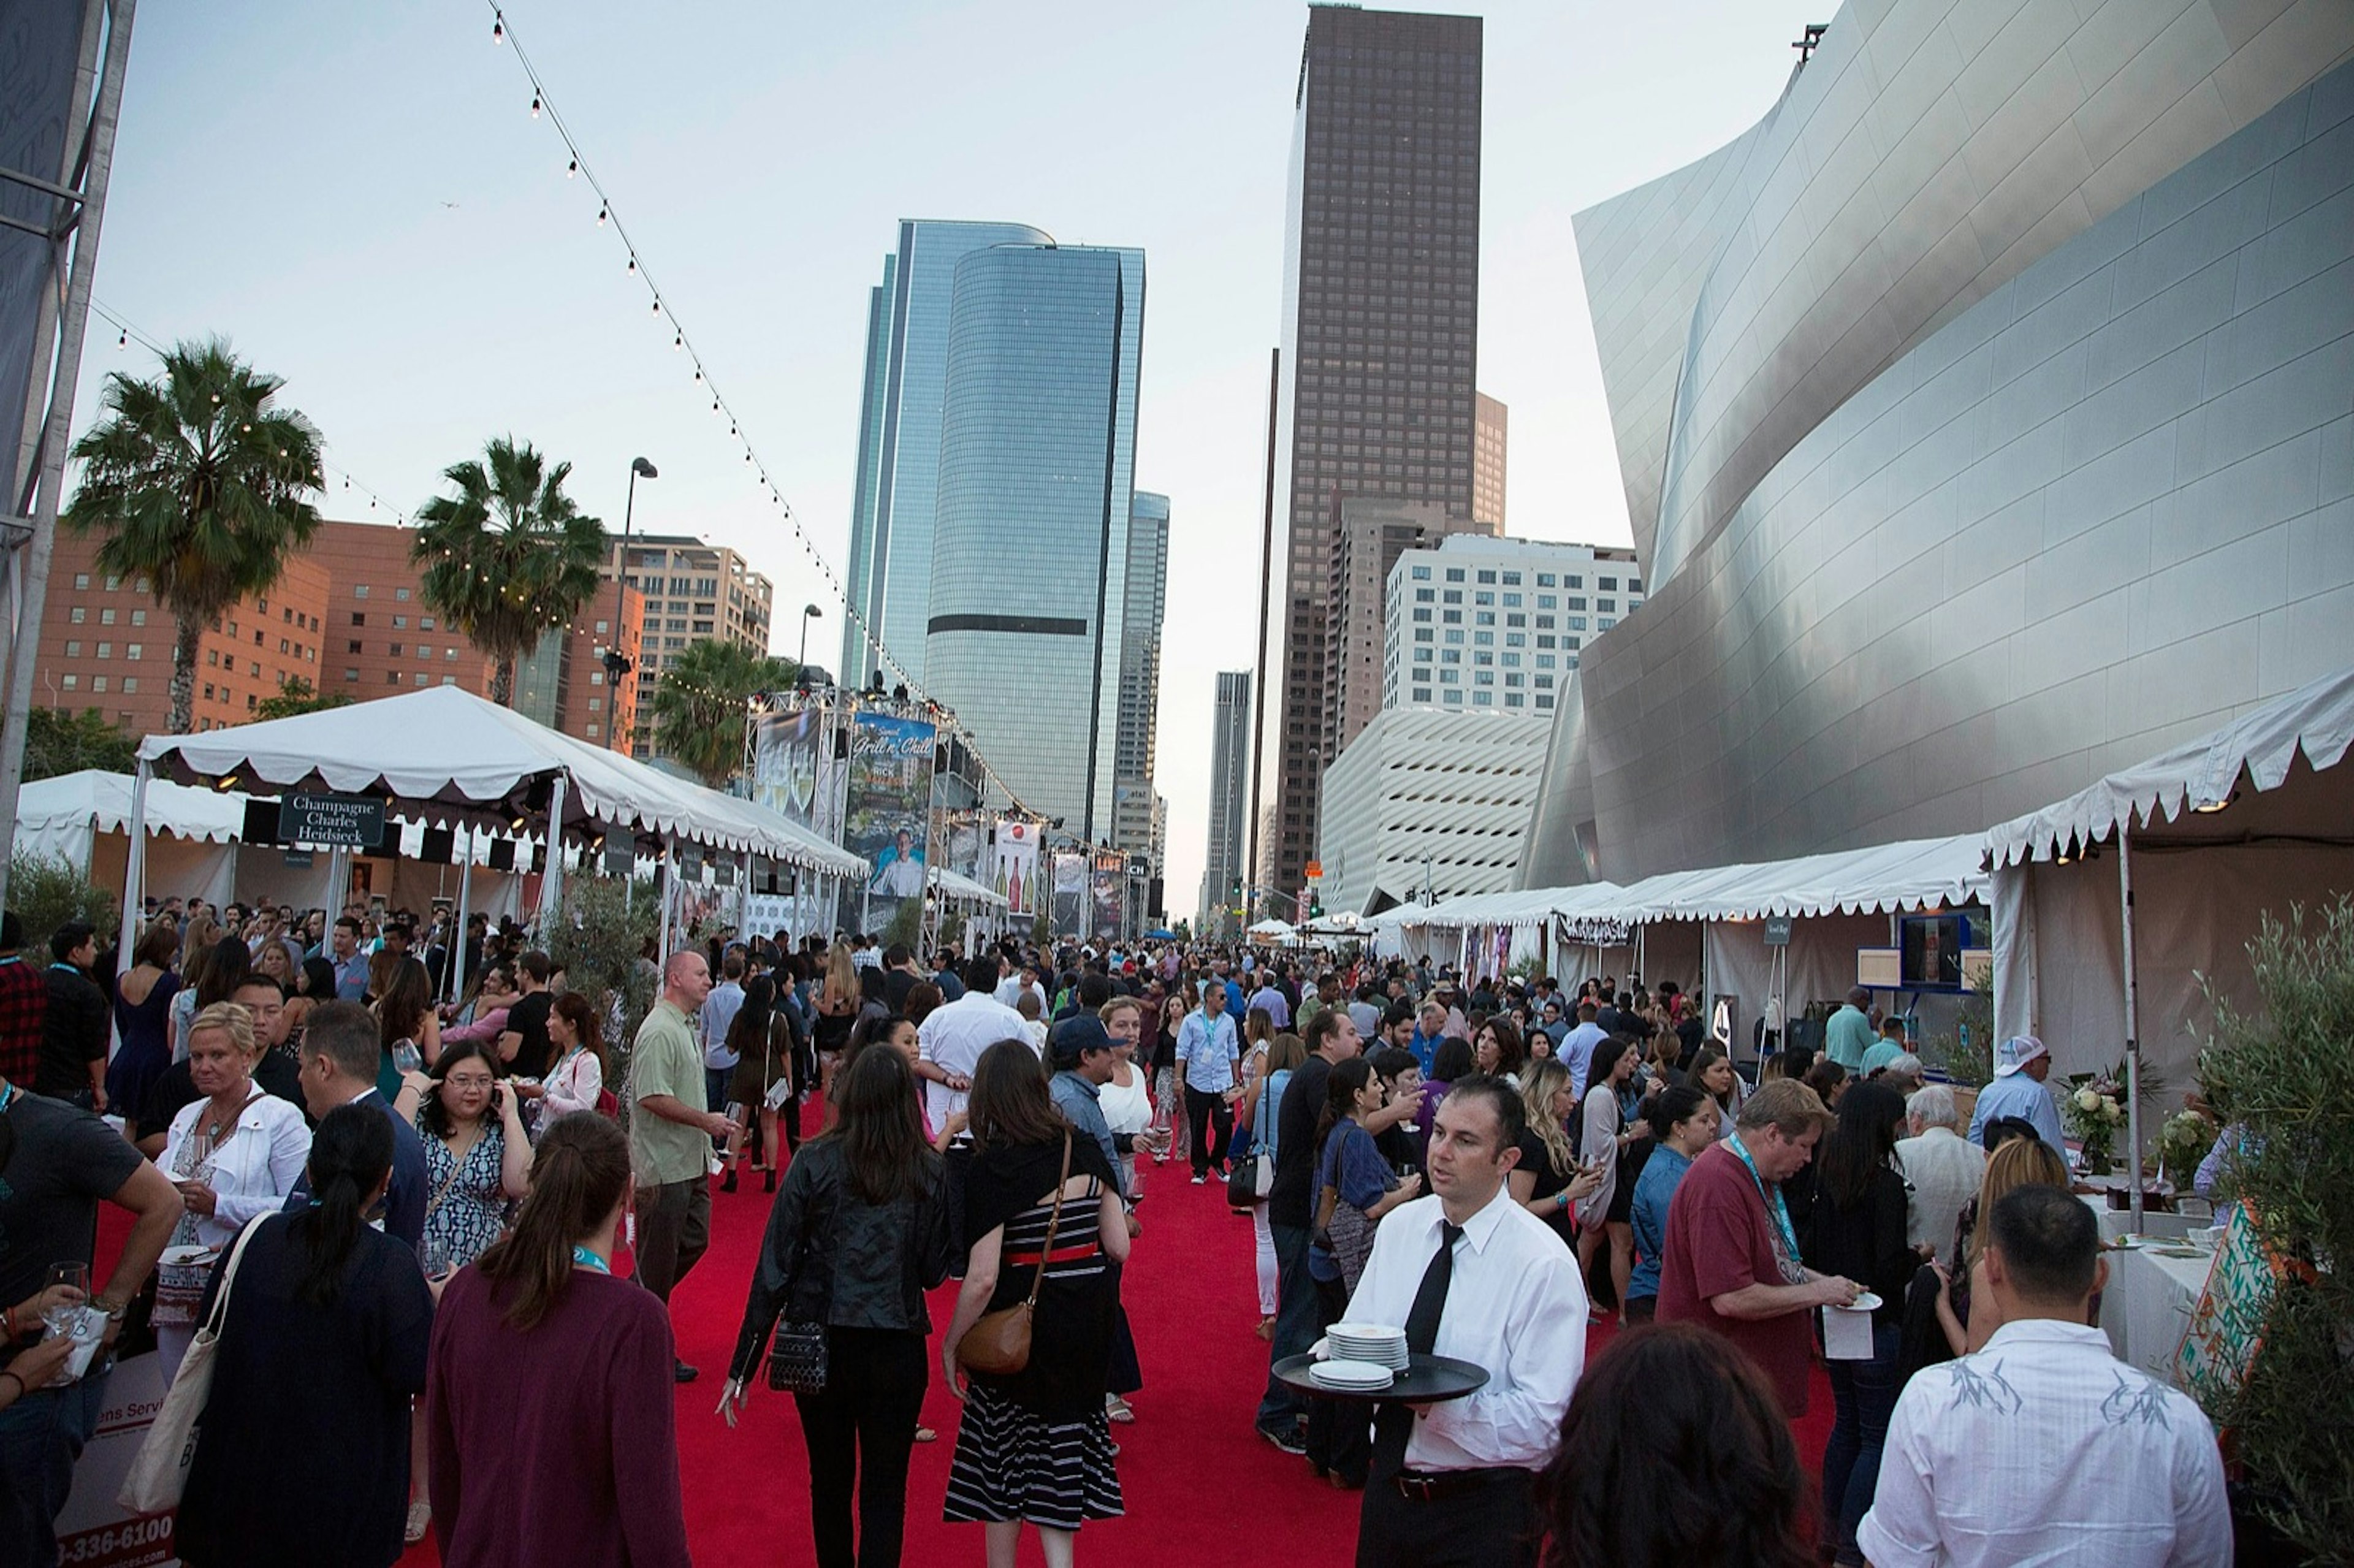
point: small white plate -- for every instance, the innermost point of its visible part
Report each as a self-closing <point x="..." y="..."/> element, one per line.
<point x="1867" y="1302"/>
<point x="187" y="1257"/>
<point x="1351" y="1374"/>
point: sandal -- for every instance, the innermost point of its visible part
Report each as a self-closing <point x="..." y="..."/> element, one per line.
<point x="926" y="1435"/>
<point x="1117" y="1409"/>
<point x="420" y="1515"/>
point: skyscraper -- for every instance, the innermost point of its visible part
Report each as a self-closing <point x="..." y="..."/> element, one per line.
<point x="1027" y="616"/>
<point x="1147" y="595"/>
<point x="1490" y="426"/>
<point x="899" y="438"/>
<point x="1375" y="387"/>
<point x="1222" y="868"/>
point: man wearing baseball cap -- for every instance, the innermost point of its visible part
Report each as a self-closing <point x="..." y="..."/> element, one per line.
<point x="2021" y="1065"/>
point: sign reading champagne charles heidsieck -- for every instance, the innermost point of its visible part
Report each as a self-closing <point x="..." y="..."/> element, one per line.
<point x="886" y="816"/>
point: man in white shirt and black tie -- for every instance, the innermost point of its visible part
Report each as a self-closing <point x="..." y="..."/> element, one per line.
<point x="1472" y="1275"/>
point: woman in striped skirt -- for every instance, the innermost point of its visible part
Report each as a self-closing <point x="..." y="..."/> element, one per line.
<point x="1034" y="1446"/>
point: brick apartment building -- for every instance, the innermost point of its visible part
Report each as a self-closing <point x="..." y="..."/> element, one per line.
<point x="346" y="616"/>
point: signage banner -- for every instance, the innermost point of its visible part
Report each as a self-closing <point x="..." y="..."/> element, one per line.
<point x="886" y="817"/>
<point x="787" y="749"/>
<point x="93" y="1529"/>
<point x="1110" y="889"/>
<point x="1014" y="867"/>
<point x="1778" y="930"/>
<point x="1070" y="893"/>
<point x="332" y="822"/>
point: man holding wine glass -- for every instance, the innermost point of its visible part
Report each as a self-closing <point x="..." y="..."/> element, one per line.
<point x="56" y="1163"/>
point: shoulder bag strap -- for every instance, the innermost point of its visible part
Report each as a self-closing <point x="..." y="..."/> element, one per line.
<point x="1054" y="1219"/>
<point x="229" y="1279"/>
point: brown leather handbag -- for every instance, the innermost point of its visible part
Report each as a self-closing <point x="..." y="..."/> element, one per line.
<point x="998" y="1344"/>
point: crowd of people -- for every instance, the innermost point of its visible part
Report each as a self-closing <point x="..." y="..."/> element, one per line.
<point x="404" y="1214"/>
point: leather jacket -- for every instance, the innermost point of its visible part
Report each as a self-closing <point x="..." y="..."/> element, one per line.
<point x="832" y="1258"/>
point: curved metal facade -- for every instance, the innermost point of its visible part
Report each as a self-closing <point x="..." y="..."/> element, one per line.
<point x="2013" y="543"/>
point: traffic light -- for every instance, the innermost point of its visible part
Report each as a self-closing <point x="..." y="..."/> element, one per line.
<point x="1315" y="907"/>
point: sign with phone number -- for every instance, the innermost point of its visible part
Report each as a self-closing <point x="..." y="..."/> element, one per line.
<point x="133" y="1544"/>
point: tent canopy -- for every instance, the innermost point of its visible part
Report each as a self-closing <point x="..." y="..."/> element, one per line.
<point x="958" y="888"/>
<point x="1278" y="929"/>
<point x="93" y="798"/>
<point x="2186" y="794"/>
<point x="450" y="757"/>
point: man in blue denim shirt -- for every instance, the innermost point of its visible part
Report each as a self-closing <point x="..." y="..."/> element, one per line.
<point x="1206" y="1058"/>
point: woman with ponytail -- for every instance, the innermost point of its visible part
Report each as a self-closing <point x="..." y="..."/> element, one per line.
<point x="549" y="1412"/>
<point x="303" y="1455"/>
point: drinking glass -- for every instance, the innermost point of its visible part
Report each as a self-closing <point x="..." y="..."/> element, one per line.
<point x="433" y="1253"/>
<point x="62" y="1318"/>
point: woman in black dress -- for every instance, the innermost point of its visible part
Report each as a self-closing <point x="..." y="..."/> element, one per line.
<point x="322" y="1346"/>
<point x="1035" y="1445"/>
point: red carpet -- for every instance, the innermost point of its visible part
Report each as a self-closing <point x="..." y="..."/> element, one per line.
<point x="1198" y="1481"/>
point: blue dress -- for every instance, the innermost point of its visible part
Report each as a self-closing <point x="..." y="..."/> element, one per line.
<point x="147" y="1030"/>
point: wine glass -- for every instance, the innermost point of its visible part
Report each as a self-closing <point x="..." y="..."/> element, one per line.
<point x="60" y="1315"/>
<point x="433" y="1253"/>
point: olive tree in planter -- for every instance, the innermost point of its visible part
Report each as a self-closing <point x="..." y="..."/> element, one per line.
<point x="598" y="942"/>
<point x="2277" y="1071"/>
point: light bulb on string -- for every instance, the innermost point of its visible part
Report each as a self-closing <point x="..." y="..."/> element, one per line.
<point x="678" y="342"/>
<point x="535" y="106"/>
<point x="498" y="32"/>
<point x="571" y="168"/>
<point x="603" y="213"/>
<point x="123" y="341"/>
<point x="657" y="307"/>
<point x="632" y="268"/>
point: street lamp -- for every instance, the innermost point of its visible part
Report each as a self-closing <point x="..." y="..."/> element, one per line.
<point x="618" y="664"/>
<point x="809" y="612"/>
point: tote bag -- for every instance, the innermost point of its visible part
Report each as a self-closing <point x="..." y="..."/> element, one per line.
<point x="159" y="1472"/>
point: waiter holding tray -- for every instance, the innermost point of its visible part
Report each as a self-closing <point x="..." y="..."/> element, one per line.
<point x="1474" y="1276"/>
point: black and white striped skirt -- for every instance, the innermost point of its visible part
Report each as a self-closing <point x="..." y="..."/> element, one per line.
<point x="1013" y="1463"/>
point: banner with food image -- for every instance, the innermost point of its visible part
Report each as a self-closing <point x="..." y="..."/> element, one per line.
<point x="886" y="814"/>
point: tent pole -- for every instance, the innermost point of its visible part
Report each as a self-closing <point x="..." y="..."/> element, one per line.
<point x="134" y="884"/>
<point x="551" y="886"/>
<point x="458" y="928"/>
<point x="2133" y="1025"/>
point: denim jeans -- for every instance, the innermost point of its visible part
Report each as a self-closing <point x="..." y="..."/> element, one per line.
<point x="1295" y="1324"/>
<point x="1863" y="1398"/>
<point x="41" y="1435"/>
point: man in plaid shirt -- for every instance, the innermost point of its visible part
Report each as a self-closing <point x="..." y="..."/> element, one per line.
<point x="24" y="1004"/>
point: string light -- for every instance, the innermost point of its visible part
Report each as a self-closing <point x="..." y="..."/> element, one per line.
<point x="834" y="585"/>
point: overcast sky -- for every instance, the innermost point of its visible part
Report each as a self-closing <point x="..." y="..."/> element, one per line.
<point x="359" y="198"/>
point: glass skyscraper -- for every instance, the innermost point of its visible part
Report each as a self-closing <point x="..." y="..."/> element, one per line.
<point x="899" y="438"/>
<point x="1027" y="592"/>
<point x="1374" y="395"/>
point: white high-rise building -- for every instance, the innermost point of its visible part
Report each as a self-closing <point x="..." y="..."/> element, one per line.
<point x="1496" y="625"/>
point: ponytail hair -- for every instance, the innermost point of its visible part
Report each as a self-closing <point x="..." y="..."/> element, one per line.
<point x="579" y="1174"/>
<point x="1340" y="1096"/>
<point x="350" y="1153"/>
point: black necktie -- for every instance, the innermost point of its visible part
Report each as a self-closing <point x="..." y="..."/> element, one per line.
<point x="1430" y="1300"/>
<point x="1393" y="1423"/>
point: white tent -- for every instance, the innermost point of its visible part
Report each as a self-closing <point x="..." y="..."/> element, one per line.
<point x="2254" y="818"/>
<point x="84" y="819"/>
<point x="448" y="758"/>
<point x="954" y="887"/>
<point x="1271" y="930"/>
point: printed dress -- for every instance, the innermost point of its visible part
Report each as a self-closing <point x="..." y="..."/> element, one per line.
<point x="466" y="1206"/>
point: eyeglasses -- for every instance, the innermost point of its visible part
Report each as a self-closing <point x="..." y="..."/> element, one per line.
<point x="469" y="1082"/>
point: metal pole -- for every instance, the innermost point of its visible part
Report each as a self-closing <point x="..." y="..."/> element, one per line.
<point x="2133" y="1021"/>
<point x="551" y="884"/>
<point x="457" y="927"/>
<point x="102" y="101"/>
<point x="134" y="876"/>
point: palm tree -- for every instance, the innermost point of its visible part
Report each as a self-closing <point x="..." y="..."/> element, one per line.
<point x="199" y="483"/>
<point x="509" y="558"/>
<point x="698" y="705"/>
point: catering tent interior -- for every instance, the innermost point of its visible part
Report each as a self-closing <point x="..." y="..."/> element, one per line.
<point x="2255" y="818"/>
<point x="444" y="756"/>
<point x="84" y="819"/>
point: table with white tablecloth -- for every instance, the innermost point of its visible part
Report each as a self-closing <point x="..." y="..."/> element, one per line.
<point x="2148" y="1303"/>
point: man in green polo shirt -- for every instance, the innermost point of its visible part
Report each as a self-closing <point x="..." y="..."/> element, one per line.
<point x="1848" y="1036"/>
<point x="670" y="1136"/>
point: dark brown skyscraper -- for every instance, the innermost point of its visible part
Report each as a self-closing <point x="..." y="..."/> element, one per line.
<point x="1380" y="350"/>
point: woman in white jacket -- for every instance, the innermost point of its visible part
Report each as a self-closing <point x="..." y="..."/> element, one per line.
<point x="234" y="1154"/>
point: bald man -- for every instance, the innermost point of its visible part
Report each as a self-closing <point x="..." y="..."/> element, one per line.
<point x="670" y="1136"/>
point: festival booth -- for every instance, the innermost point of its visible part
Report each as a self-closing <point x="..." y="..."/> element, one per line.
<point x="983" y="908"/>
<point x="1273" y="933"/>
<point x="2110" y="904"/>
<point x="444" y="757"/>
<point x="84" y="819"/>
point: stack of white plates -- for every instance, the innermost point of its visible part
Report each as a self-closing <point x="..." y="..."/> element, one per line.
<point x="1375" y="1342"/>
<point x="1350" y="1374"/>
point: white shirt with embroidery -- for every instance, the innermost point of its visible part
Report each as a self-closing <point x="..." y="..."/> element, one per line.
<point x="2043" y="1448"/>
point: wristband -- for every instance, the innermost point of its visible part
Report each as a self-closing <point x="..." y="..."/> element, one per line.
<point x="22" y="1387"/>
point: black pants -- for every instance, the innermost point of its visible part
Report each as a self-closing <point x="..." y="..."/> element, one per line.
<point x="1202" y="1112"/>
<point x="1492" y="1523"/>
<point x="1340" y="1431"/>
<point x="874" y="1383"/>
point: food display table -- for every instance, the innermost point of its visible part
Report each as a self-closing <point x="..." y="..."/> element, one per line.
<point x="2148" y="1302"/>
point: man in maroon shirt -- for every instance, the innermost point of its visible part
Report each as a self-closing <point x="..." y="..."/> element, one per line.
<point x="1730" y="1261"/>
<point x="24" y="1003"/>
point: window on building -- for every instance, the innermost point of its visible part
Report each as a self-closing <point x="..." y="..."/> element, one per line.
<point x="1422" y="655"/>
<point x="1422" y="634"/>
<point x="1607" y="585"/>
<point x="82" y="581"/>
<point x="1576" y="623"/>
<point x="1421" y="575"/>
<point x="106" y="617"/>
<point x="1483" y="617"/>
<point x="1607" y="606"/>
<point x="255" y="664"/>
<point x="1548" y="601"/>
<point x="395" y="650"/>
<point x="450" y="655"/>
<point x="106" y="650"/>
<point x="1483" y="639"/>
<point x="1455" y="574"/>
<point x="70" y="681"/>
<point x="1422" y="694"/>
<point x="351" y="674"/>
<point x="359" y="617"/>
<point x="1514" y="700"/>
<point x="130" y="684"/>
<point x="392" y="677"/>
<point x="77" y="615"/>
<point x="1543" y="701"/>
<point x="400" y="623"/>
<point x="422" y="677"/>
<point x="1544" y="579"/>
<point x="1453" y="695"/>
<point x="1544" y="660"/>
<point x="114" y="583"/>
<point x="1424" y="596"/>
<point x="208" y="691"/>
<point x="1484" y="598"/>
<point x="138" y="617"/>
<point x="449" y="679"/>
<point x="1634" y="585"/>
<point x="359" y="590"/>
<point x="73" y="649"/>
<point x="1450" y="677"/>
<point x="1511" y="601"/>
<point x="1606" y="623"/>
<point x="98" y="682"/>
<point x="400" y="593"/>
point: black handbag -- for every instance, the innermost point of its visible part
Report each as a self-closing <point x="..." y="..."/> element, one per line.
<point x="797" y="1358"/>
<point x="1252" y="1175"/>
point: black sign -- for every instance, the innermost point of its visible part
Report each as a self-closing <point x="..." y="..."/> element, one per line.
<point x="296" y="860"/>
<point x="343" y="822"/>
<point x="621" y="852"/>
<point x="1778" y="930"/>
